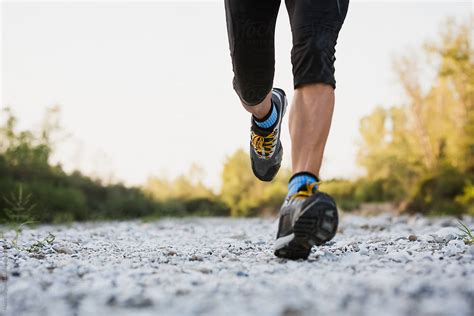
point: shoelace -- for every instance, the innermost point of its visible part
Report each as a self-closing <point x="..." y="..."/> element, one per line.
<point x="305" y="193"/>
<point x="263" y="145"/>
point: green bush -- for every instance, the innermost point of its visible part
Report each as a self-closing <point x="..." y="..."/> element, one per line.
<point x="343" y="192"/>
<point x="60" y="197"/>
<point x="436" y="193"/>
<point x="466" y="199"/>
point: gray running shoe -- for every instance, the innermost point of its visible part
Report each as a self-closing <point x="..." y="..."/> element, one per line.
<point x="307" y="218"/>
<point x="266" y="151"/>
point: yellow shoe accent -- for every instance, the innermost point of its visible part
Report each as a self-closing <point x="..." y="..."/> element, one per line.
<point x="263" y="145"/>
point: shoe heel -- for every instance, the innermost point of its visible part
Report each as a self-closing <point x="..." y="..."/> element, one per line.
<point x="317" y="225"/>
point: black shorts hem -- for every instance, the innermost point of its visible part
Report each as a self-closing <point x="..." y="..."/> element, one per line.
<point x="252" y="103"/>
<point x="299" y="83"/>
<point x="253" y="96"/>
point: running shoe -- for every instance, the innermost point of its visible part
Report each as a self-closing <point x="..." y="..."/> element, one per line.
<point x="266" y="151"/>
<point x="307" y="218"/>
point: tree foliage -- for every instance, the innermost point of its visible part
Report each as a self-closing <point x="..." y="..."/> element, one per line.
<point x="423" y="150"/>
<point x="27" y="178"/>
<point x="244" y="193"/>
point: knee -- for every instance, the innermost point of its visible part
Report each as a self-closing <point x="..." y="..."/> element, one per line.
<point x="312" y="94"/>
<point x="251" y="91"/>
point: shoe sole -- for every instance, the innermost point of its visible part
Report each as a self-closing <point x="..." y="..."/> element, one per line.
<point x="316" y="226"/>
<point x="271" y="172"/>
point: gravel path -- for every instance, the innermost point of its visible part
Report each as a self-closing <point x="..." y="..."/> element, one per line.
<point x="226" y="267"/>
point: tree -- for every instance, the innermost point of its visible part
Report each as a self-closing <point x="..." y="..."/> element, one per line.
<point x="244" y="193"/>
<point x="184" y="187"/>
<point x="416" y="147"/>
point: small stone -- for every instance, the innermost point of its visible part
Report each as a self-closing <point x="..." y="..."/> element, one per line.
<point x="380" y="252"/>
<point x="63" y="250"/>
<point x="51" y="268"/>
<point x="454" y="247"/>
<point x="112" y="300"/>
<point x="291" y="311"/>
<point x="446" y="234"/>
<point x="363" y="251"/>
<point x="16" y="273"/>
<point x="205" y="270"/>
<point x="37" y="255"/>
<point x="81" y="271"/>
<point x="45" y="284"/>
<point x="443" y="239"/>
<point x="242" y="274"/>
<point x="329" y="256"/>
<point x="412" y="238"/>
<point x="319" y="253"/>
<point x="402" y="256"/>
<point x="449" y="237"/>
<point x="241" y="236"/>
<point x="182" y="292"/>
<point x="457" y="243"/>
<point x="138" y="301"/>
<point x="171" y="253"/>
<point x="195" y="258"/>
<point x="74" y="299"/>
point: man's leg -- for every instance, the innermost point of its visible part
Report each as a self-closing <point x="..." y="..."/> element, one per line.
<point x="251" y="31"/>
<point x="309" y="217"/>
<point x="310" y="120"/>
<point x="261" y="109"/>
<point x="315" y="26"/>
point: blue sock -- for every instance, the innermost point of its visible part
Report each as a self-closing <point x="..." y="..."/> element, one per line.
<point x="300" y="179"/>
<point x="269" y="120"/>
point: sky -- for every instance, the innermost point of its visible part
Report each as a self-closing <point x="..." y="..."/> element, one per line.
<point x="145" y="87"/>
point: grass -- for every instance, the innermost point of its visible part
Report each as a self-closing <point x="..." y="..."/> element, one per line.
<point x="19" y="212"/>
<point x="19" y="207"/>
<point x="466" y="234"/>
<point x="40" y="244"/>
